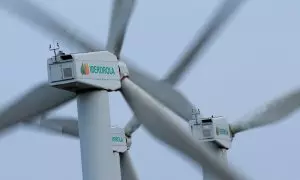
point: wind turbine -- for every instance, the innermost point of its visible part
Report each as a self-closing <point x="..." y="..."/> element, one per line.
<point x="160" y="90"/>
<point x="91" y="75"/>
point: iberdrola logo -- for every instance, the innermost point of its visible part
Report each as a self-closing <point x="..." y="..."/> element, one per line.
<point x="85" y="69"/>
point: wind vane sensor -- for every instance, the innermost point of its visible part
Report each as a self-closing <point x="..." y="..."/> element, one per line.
<point x="54" y="48"/>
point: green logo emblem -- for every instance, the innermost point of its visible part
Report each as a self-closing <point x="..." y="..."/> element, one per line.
<point x="117" y="139"/>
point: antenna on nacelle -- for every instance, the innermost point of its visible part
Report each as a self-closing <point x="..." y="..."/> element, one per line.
<point x="54" y="47"/>
<point x="195" y="113"/>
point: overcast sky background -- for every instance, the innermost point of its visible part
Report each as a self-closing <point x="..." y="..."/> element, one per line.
<point x="255" y="59"/>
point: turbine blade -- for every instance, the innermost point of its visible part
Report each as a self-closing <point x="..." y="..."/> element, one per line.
<point x="272" y="112"/>
<point x="121" y="13"/>
<point x="161" y="123"/>
<point x="202" y="40"/>
<point x="37" y="101"/>
<point x="127" y="169"/>
<point x="163" y="92"/>
<point x="131" y="126"/>
<point x="59" y="125"/>
<point x="50" y="24"/>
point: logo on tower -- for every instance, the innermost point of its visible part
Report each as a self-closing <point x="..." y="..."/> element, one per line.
<point x="85" y="69"/>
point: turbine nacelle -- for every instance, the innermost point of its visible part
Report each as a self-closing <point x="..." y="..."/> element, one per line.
<point x="85" y="71"/>
<point x="212" y="129"/>
<point x="120" y="143"/>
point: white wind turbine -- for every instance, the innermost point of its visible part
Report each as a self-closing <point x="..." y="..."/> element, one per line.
<point x="136" y="91"/>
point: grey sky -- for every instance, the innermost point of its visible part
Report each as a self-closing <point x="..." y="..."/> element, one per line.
<point x="254" y="59"/>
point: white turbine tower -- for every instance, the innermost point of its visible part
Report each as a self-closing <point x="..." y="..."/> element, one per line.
<point x="89" y="76"/>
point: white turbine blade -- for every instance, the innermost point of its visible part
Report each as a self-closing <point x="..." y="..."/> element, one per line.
<point x="50" y="24"/>
<point x="202" y="40"/>
<point x="132" y="126"/>
<point x="127" y="170"/>
<point x="163" y="92"/>
<point x="37" y="101"/>
<point x="160" y="122"/>
<point x="60" y="125"/>
<point x="120" y="16"/>
<point x="270" y="113"/>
